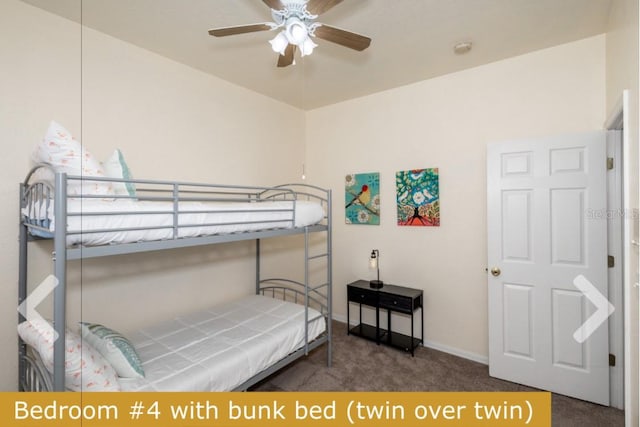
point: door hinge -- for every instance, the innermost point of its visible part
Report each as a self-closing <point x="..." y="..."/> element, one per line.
<point x="611" y="261"/>
<point x="612" y="359"/>
<point x="609" y="163"/>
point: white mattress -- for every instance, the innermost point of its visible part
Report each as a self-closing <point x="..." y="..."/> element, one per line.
<point x="220" y="348"/>
<point x="205" y="219"/>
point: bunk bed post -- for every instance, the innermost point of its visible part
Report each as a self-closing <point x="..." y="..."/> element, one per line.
<point x="257" y="266"/>
<point x="306" y="290"/>
<point x="22" y="289"/>
<point x="60" y="272"/>
<point x="329" y="282"/>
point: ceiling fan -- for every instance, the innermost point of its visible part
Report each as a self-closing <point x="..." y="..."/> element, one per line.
<point x="296" y="20"/>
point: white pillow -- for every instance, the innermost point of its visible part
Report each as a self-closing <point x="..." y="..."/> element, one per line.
<point x="116" y="167"/>
<point x="60" y="150"/>
<point x="85" y="368"/>
<point x="114" y="347"/>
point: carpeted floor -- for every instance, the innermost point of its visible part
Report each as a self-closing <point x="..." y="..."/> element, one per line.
<point x="355" y="359"/>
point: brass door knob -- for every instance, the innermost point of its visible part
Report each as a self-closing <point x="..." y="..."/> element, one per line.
<point x="495" y="271"/>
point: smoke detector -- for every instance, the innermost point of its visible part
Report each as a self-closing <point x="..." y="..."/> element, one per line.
<point x="462" y="47"/>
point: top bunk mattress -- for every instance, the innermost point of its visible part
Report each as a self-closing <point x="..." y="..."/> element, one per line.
<point x="93" y="222"/>
<point x="221" y="348"/>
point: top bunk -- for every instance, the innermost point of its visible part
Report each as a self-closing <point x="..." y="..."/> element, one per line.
<point x="101" y="216"/>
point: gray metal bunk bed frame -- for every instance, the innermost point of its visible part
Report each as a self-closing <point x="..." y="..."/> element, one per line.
<point x="32" y="374"/>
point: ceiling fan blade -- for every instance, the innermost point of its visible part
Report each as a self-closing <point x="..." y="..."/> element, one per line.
<point x="342" y="37"/>
<point x="274" y="4"/>
<point x="317" y="7"/>
<point x="287" y="59"/>
<point x="230" y="31"/>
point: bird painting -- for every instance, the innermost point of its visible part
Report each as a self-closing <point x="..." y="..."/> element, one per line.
<point x="362" y="198"/>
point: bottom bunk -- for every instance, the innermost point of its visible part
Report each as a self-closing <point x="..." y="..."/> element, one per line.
<point x="224" y="348"/>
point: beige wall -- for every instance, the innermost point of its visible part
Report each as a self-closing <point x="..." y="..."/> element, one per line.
<point x="171" y="122"/>
<point x="447" y="122"/>
<point x="622" y="73"/>
<point x="175" y="122"/>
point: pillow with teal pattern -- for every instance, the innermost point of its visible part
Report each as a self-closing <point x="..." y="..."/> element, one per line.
<point x="85" y="368"/>
<point x="116" y="167"/>
<point x="115" y="348"/>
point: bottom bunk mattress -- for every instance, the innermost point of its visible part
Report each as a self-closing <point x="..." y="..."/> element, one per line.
<point x="218" y="349"/>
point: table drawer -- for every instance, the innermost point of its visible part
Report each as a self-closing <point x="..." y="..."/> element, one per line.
<point x="396" y="302"/>
<point x="362" y="296"/>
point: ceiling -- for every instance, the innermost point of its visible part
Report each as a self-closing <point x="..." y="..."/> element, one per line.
<point x="412" y="39"/>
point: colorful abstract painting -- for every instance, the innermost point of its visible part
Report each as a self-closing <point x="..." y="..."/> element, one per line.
<point x="362" y="198"/>
<point x="418" y="198"/>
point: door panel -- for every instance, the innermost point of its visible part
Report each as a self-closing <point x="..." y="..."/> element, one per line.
<point x="517" y="225"/>
<point x="541" y="238"/>
<point x="567" y="226"/>
<point x="518" y="320"/>
<point x="569" y="308"/>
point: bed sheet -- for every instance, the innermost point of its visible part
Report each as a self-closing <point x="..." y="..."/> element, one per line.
<point x="220" y="348"/>
<point x="195" y="219"/>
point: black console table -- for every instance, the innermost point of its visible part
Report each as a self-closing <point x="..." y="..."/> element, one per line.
<point x="391" y="298"/>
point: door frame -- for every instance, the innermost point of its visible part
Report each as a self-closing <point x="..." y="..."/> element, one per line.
<point x="620" y="322"/>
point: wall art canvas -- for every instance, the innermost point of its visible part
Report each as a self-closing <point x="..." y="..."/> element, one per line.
<point x="362" y="198"/>
<point x="418" y="197"/>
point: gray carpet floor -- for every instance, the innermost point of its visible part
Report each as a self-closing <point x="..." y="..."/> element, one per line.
<point x="355" y="360"/>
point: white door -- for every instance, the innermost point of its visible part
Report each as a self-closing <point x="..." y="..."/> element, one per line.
<point x="546" y="226"/>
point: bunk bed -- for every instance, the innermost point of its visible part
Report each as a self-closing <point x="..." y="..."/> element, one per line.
<point x="163" y="215"/>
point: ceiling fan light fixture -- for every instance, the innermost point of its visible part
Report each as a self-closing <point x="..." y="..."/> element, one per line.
<point x="279" y="43"/>
<point x="296" y="31"/>
<point x="307" y="47"/>
<point x="295" y="22"/>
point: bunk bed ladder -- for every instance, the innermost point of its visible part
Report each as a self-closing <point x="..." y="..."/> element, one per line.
<point x="326" y="255"/>
<point x="308" y="287"/>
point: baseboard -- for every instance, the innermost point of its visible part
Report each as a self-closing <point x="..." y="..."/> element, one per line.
<point x="457" y="352"/>
<point x="440" y="347"/>
<point x="340" y="318"/>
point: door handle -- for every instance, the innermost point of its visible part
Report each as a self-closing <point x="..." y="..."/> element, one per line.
<point x="495" y="271"/>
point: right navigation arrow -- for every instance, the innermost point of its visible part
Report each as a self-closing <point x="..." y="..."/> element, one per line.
<point x="604" y="309"/>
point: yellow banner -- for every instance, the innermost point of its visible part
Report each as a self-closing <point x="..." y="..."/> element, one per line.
<point x="253" y="409"/>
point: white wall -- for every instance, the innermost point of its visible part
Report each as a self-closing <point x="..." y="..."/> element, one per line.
<point x="447" y="122"/>
<point x="171" y="121"/>
<point x="622" y="73"/>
